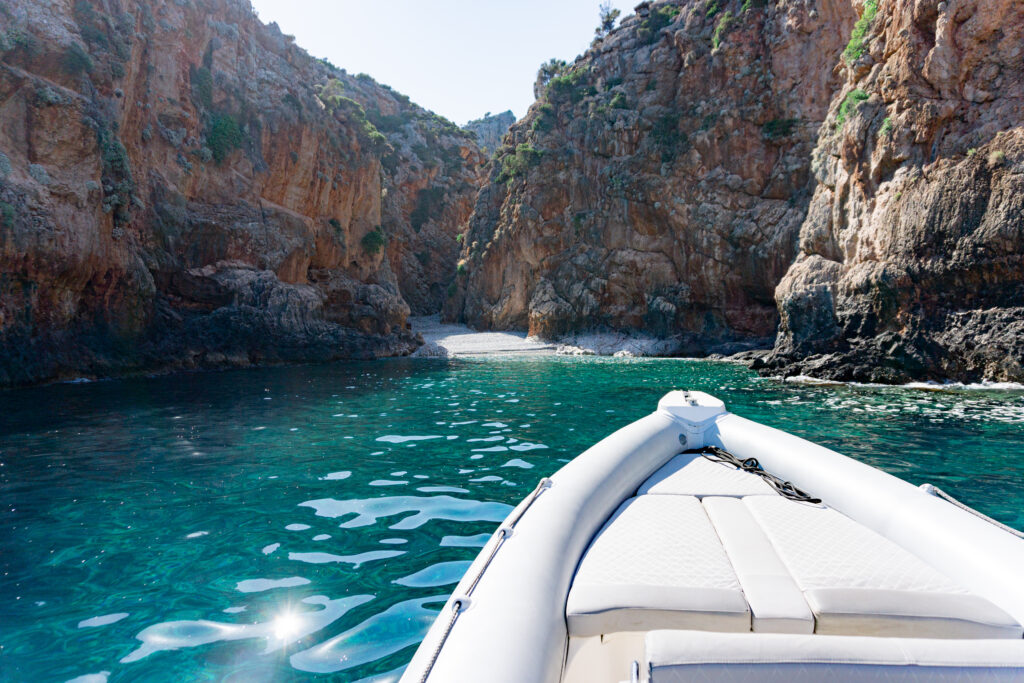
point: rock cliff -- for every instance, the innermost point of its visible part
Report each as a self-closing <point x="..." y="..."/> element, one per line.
<point x="181" y="186"/>
<point x="490" y="129"/>
<point x="659" y="183"/>
<point x="911" y="260"/>
<point x="846" y="173"/>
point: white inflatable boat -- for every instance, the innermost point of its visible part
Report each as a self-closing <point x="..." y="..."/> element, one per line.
<point x="653" y="557"/>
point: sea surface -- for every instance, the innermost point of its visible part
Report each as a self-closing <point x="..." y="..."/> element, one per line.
<point x="280" y="524"/>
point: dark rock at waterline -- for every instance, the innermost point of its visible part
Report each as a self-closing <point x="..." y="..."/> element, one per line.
<point x="911" y="259"/>
<point x="181" y="186"/>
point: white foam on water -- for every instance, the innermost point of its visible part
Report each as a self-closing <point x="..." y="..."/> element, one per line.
<point x="518" y="463"/>
<point x="440" y="574"/>
<point x="268" y="549"/>
<point x="527" y="446"/>
<point x="338" y="476"/>
<point x="260" y="585"/>
<point x="394" y="438"/>
<point x="197" y="534"/>
<point x="297" y="527"/>
<point x="441" y="489"/>
<point x="355" y="560"/>
<point x="100" y="677"/>
<point x="421" y="509"/>
<point x="102" y="621"/>
<point x="478" y="541"/>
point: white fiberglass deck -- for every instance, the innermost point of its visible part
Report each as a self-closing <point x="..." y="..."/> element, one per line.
<point x="707" y="547"/>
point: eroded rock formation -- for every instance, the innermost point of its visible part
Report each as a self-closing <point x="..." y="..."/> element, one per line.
<point x="181" y="186"/>
<point x="911" y="262"/>
<point x="847" y="172"/>
<point x="659" y="183"/>
<point x="490" y="129"/>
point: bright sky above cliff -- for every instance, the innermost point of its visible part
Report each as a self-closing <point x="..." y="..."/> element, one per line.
<point x="459" y="58"/>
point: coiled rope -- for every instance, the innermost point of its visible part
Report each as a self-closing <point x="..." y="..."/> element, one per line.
<point x="462" y="601"/>
<point x="752" y="466"/>
<point x="939" y="493"/>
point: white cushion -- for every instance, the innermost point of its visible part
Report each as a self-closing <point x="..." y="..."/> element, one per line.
<point x="860" y="583"/>
<point x="691" y="474"/>
<point x="776" y="603"/>
<point x="657" y="563"/>
<point x="677" y="656"/>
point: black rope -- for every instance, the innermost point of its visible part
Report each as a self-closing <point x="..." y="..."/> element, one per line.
<point x="751" y="465"/>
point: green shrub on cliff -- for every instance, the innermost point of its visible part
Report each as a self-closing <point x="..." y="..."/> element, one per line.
<point x="519" y="162"/>
<point x="202" y="85"/>
<point x="545" y="119"/>
<point x="886" y="129"/>
<point x="667" y="137"/>
<point x="855" y="48"/>
<point x="224" y="137"/>
<point x="778" y="128"/>
<point x="570" y="86"/>
<point x="428" y="203"/>
<point x="550" y="69"/>
<point x="6" y="215"/>
<point x="76" y="60"/>
<point x="723" y="26"/>
<point x="849" y="105"/>
<point x="657" y="19"/>
<point x="373" y="241"/>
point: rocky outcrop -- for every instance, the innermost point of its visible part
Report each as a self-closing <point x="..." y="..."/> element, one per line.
<point x="181" y="186"/>
<point x="660" y="182"/>
<point x="490" y="130"/>
<point x="911" y="261"/>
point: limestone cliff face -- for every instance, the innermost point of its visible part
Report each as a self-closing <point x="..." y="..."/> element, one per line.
<point x="911" y="260"/>
<point x="491" y="129"/>
<point x="659" y="183"/>
<point x="181" y="186"/>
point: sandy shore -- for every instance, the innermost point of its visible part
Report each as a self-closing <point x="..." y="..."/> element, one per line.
<point x="448" y="339"/>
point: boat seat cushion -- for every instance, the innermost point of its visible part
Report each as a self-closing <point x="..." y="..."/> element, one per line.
<point x="657" y="563"/>
<point x="691" y="474"/>
<point x="677" y="656"/>
<point x="776" y="603"/>
<point x="859" y="583"/>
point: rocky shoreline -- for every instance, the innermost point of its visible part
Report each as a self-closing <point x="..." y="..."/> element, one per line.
<point x="844" y="177"/>
<point x="830" y="188"/>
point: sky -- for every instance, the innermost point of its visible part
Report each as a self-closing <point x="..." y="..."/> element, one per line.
<point x="459" y="58"/>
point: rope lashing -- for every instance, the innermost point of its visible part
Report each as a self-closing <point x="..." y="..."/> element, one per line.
<point x="462" y="602"/>
<point x="939" y="493"/>
<point x="752" y="466"/>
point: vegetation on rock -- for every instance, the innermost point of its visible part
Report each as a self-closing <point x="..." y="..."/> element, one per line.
<point x="855" y="48"/>
<point x="373" y="241"/>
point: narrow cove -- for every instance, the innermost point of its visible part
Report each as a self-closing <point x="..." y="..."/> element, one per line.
<point x="271" y="524"/>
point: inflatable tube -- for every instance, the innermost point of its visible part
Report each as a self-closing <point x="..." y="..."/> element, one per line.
<point x="514" y="628"/>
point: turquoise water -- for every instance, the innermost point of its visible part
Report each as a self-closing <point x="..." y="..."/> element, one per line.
<point x="276" y="524"/>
